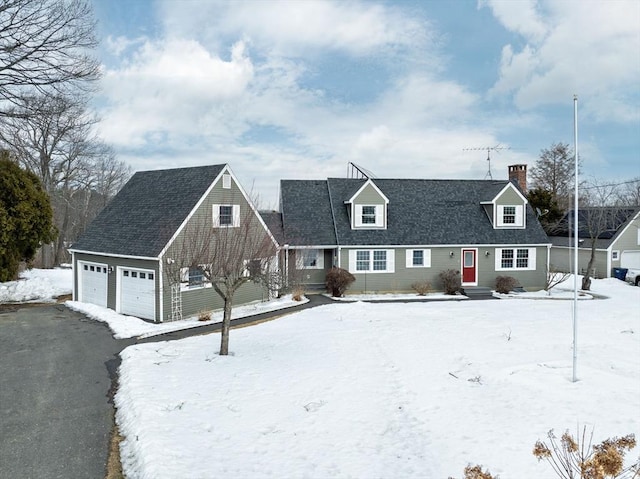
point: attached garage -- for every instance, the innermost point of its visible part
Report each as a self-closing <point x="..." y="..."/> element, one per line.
<point x="93" y="283"/>
<point x="137" y="292"/>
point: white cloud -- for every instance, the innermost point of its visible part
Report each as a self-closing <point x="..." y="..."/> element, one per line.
<point x="521" y="17"/>
<point x="587" y="48"/>
<point x="294" y="27"/>
<point x="170" y="86"/>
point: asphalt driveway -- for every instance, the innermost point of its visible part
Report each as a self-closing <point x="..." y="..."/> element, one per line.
<point x="55" y="377"/>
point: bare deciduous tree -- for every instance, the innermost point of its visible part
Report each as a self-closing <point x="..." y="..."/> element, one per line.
<point x="52" y="136"/>
<point x="599" y="219"/>
<point x="229" y="254"/>
<point x="44" y="48"/>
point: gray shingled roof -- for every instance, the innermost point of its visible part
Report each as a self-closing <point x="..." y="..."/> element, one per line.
<point x="421" y="212"/>
<point x="145" y="214"/>
<point x="615" y="218"/>
<point x="306" y="213"/>
<point x="273" y="220"/>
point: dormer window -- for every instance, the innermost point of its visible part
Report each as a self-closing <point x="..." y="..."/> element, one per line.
<point x="510" y="216"/>
<point x="369" y="216"/>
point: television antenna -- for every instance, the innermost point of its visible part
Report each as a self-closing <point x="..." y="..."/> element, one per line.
<point x="489" y="149"/>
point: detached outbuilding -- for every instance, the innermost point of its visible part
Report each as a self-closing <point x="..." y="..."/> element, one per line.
<point x="127" y="261"/>
<point x="614" y="231"/>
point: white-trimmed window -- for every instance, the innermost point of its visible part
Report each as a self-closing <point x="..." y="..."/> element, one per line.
<point x="515" y="259"/>
<point x="615" y="255"/>
<point x="193" y="277"/>
<point x="226" y="181"/>
<point x="418" y="258"/>
<point x="226" y="216"/>
<point x="510" y="216"/>
<point x="310" y="259"/>
<point x="369" y="216"/>
<point x="372" y="261"/>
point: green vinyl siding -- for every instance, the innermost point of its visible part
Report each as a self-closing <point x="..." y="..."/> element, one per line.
<point x="313" y="278"/>
<point x="402" y="278"/>
<point x="509" y="197"/>
<point x="200" y="225"/>
<point x="369" y="196"/>
<point x="114" y="263"/>
<point x="207" y="299"/>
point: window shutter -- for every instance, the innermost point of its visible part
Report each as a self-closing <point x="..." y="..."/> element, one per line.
<point x="184" y="275"/>
<point x="498" y="259"/>
<point x="236" y="215"/>
<point x="532" y="259"/>
<point x="427" y="258"/>
<point x="391" y="263"/>
<point x="357" y="220"/>
<point x="380" y="215"/>
<point x="409" y="258"/>
<point x="352" y="261"/>
<point x="519" y="215"/>
<point x="216" y="216"/>
<point x="500" y="216"/>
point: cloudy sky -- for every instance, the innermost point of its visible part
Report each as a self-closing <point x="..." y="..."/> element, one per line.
<point x="298" y="89"/>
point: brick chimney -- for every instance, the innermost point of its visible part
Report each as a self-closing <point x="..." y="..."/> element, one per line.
<point x="518" y="173"/>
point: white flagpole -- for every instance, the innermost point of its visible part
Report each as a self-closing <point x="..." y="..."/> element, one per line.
<point x="575" y="240"/>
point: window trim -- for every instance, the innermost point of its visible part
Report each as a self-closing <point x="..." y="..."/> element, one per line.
<point x="615" y="255"/>
<point x="389" y="261"/>
<point x="184" y="280"/>
<point x="518" y="216"/>
<point x="426" y="258"/>
<point x="378" y="215"/>
<point x="235" y="212"/>
<point x="531" y="259"/>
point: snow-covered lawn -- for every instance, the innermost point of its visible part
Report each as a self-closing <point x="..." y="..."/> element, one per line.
<point x="415" y="390"/>
<point x="37" y="285"/>
<point x="124" y="326"/>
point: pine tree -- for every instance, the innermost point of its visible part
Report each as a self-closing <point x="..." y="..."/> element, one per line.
<point x="26" y="217"/>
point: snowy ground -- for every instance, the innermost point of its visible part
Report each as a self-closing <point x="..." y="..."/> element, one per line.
<point x="415" y="390"/>
<point x="37" y="285"/>
<point x="124" y="326"/>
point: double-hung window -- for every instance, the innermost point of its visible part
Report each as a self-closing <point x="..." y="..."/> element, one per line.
<point x="371" y="261"/>
<point x="510" y="216"/>
<point x="418" y="258"/>
<point x="362" y="260"/>
<point x="369" y="216"/>
<point x="192" y="277"/>
<point x="515" y="258"/>
<point x="226" y="216"/>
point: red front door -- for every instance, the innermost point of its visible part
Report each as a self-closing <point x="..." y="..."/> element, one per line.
<point x="469" y="270"/>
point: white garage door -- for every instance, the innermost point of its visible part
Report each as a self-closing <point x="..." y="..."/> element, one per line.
<point x="138" y="293"/>
<point x="93" y="283"/>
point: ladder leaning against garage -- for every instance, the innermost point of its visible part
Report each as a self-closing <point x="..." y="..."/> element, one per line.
<point x="176" y="302"/>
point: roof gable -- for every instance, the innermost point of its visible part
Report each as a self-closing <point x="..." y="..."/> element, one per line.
<point x="368" y="184"/>
<point x="147" y="212"/>
<point x="617" y="219"/>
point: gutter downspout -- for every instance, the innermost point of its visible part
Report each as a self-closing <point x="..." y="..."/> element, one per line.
<point x="335" y="227"/>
